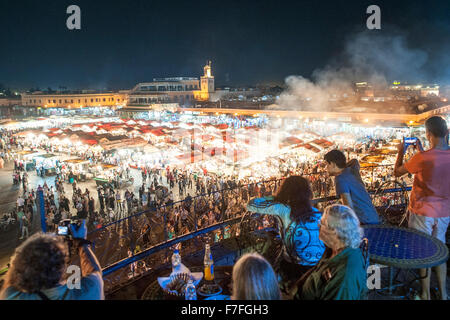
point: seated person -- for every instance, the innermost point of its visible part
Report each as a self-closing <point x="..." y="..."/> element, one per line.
<point x="302" y="246"/>
<point x="341" y="273"/>
<point x="254" y="279"/>
<point x="350" y="187"/>
<point x="39" y="265"/>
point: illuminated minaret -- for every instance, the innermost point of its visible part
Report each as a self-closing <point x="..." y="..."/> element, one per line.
<point x="207" y="80"/>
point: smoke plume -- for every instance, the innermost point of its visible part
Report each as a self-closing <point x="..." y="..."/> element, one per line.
<point x="369" y="57"/>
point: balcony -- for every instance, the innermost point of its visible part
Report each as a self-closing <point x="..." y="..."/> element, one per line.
<point x="139" y="247"/>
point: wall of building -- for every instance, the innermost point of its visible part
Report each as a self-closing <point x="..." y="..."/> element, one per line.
<point x="148" y="93"/>
<point x="73" y="100"/>
<point x="167" y="86"/>
<point x="181" y="97"/>
<point x="9" y="102"/>
<point x="181" y="90"/>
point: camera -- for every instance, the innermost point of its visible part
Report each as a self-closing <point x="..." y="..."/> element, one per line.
<point x="412" y="141"/>
<point x="64" y="227"/>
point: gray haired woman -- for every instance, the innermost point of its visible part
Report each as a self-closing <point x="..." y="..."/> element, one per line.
<point x="341" y="273"/>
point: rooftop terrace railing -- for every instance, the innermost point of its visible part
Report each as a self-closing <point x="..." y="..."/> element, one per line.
<point x="130" y="246"/>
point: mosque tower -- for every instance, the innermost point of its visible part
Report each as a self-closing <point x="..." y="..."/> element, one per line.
<point x="206" y="84"/>
<point x="207" y="80"/>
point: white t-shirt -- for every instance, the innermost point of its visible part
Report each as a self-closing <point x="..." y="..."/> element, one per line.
<point x="20" y="202"/>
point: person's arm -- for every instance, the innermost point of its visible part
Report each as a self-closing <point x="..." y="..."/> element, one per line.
<point x="347" y="200"/>
<point x="399" y="169"/>
<point x="412" y="166"/>
<point x="264" y="206"/>
<point x="343" y="191"/>
<point x="89" y="262"/>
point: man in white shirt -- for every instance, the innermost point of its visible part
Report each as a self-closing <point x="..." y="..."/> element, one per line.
<point x="20" y="202"/>
<point x="118" y="202"/>
<point x="152" y="198"/>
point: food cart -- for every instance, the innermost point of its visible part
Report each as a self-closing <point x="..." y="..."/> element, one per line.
<point x="80" y="169"/>
<point x="27" y="157"/>
<point x="105" y="183"/>
<point x="104" y="175"/>
<point x="47" y="162"/>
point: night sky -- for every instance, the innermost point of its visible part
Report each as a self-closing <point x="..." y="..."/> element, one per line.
<point x="122" y="43"/>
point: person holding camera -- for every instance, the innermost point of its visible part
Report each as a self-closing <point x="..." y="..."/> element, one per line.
<point x="40" y="264"/>
<point x="429" y="206"/>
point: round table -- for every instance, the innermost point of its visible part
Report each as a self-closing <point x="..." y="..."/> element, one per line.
<point x="403" y="248"/>
<point x="222" y="276"/>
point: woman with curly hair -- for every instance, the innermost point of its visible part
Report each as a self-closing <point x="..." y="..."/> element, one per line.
<point x="39" y="267"/>
<point x="302" y="248"/>
<point x="341" y="273"/>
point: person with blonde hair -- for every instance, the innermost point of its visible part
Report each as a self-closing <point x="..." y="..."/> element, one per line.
<point x="254" y="279"/>
<point x="341" y="273"/>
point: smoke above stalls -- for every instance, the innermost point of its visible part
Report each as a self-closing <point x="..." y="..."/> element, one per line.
<point x="373" y="55"/>
<point x="374" y="58"/>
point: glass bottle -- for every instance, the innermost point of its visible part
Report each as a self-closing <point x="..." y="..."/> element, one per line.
<point x="208" y="264"/>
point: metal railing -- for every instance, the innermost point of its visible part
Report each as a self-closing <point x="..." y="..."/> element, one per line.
<point x="117" y="274"/>
<point x="146" y="239"/>
<point x="159" y="224"/>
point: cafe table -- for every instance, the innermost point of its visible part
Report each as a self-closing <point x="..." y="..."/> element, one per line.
<point x="222" y="277"/>
<point x="403" y="248"/>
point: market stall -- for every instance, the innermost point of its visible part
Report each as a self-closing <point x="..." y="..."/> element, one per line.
<point x="78" y="169"/>
<point x="107" y="175"/>
<point x="46" y="163"/>
<point x="26" y="156"/>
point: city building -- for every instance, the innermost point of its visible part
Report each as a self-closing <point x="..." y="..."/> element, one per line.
<point x="9" y="105"/>
<point x="414" y="90"/>
<point x="207" y="87"/>
<point x="364" y="90"/>
<point x="169" y="94"/>
<point x="9" y="102"/>
<point x="73" y="100"/>
<point x="164" y="90"/>
<point x="184" y="91"/>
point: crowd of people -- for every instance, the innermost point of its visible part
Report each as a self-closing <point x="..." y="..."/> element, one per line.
<point x="161" y="186"/>
<point x="335" y="267"/>
<point x="322" y="258"/>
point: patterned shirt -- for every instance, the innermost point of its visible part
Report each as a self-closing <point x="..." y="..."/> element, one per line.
<point x="301" y="238"/>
